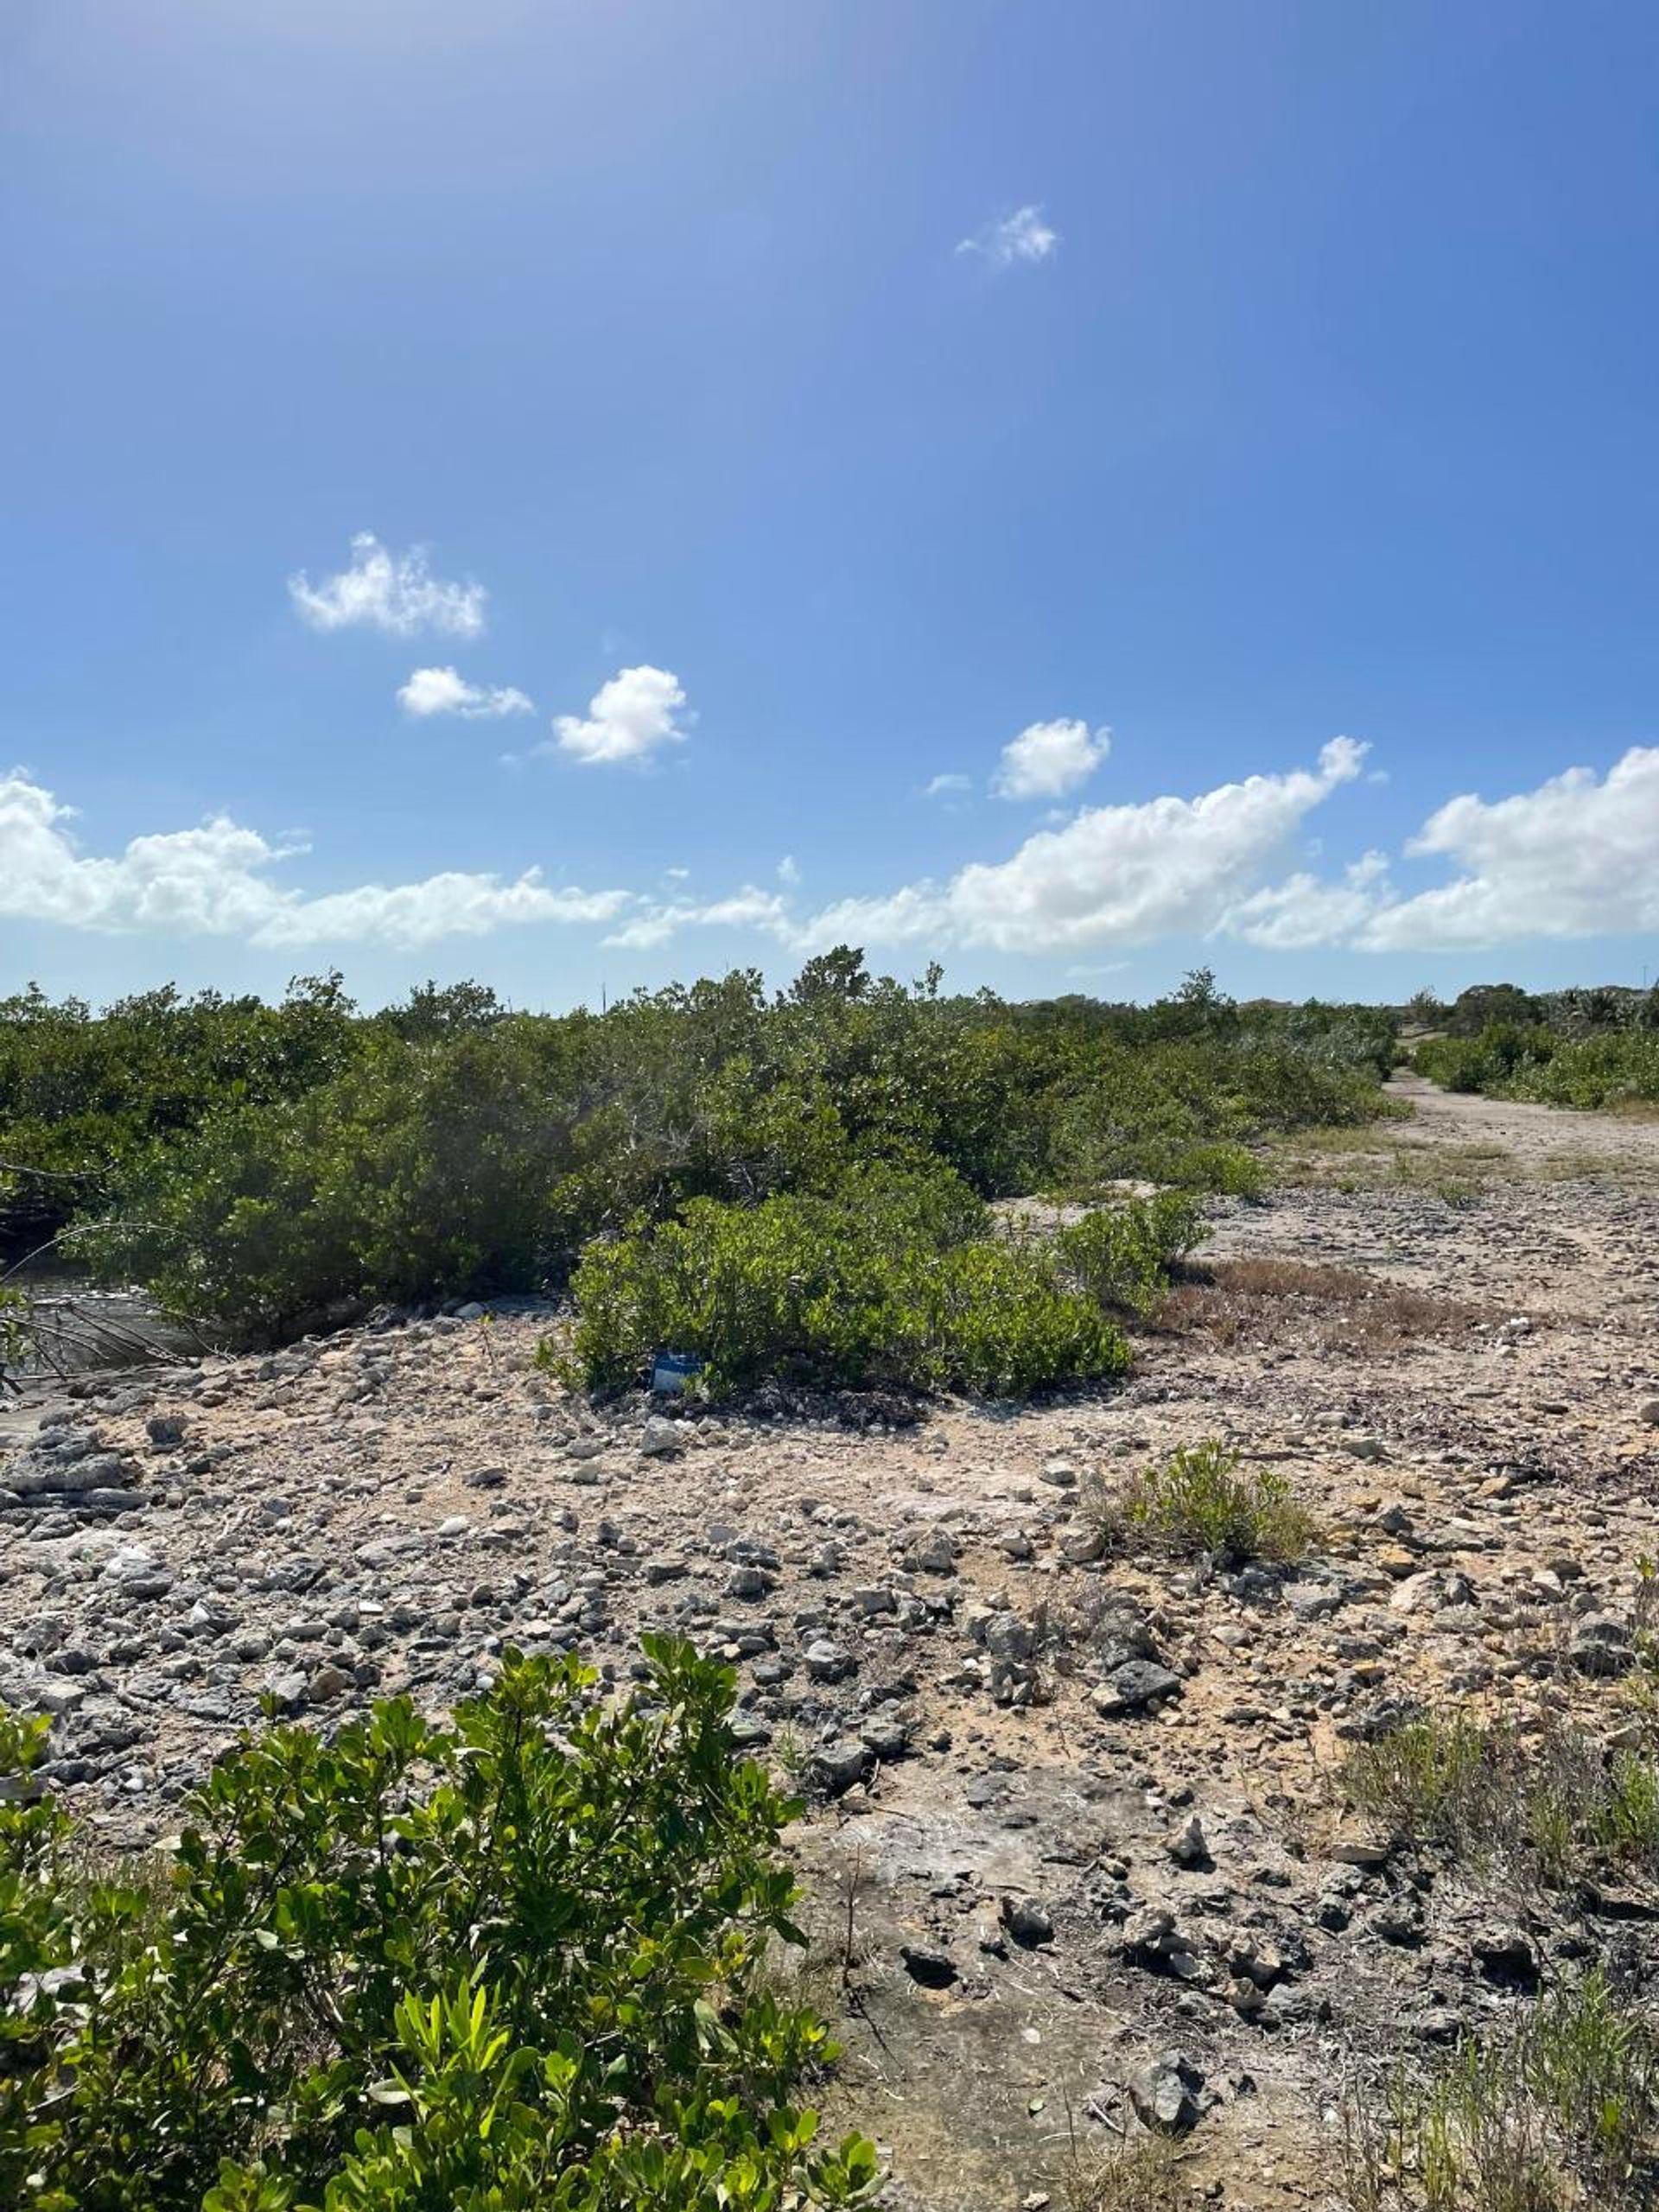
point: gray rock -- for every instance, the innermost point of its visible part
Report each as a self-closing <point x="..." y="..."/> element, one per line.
<point x="660" y="1437"/>
<point x="1027" y="1921"/>
<point x="327" y="1684"/>
<point x="828" y="1663"/>
<point x="932" y="1969"/>
<point x="836" y="1767"/>
<point x="1133" y="1685"/>
<point x="1186" y="1845"/>
<point x="1165" y="2094"/>
<point x="1600" y="1645"/>
<point x="750" y="1582"/>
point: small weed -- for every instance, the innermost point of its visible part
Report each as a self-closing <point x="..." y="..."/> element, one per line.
<point x="788" y="1752"/>
<point x="1201" y="1500"/>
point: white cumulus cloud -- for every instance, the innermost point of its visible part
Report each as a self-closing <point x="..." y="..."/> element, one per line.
<point x="217" y="881"/>
<point x="1303" y="910"/>
<point x="445" y="691"/>
<point x="1021" y="236"/>
<point x="628" y="718"/>
<point x="395" y="592"/>
<point x="1577" y="856"/>
<point x="1049" y="758"/>
<point x="1111" y="875"/>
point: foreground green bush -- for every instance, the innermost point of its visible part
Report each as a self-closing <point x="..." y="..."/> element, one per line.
<point x="876" y="1285"/>
<point x="507" y="1964"/>
<point x="1202" y="1501"/>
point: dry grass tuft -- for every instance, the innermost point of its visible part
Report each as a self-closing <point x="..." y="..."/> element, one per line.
<point x="1289" y="1302"/>
<point x="1139" y="2175"/>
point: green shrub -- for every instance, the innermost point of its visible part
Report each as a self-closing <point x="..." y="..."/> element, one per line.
<point x="497" y="1965"/>
<point x="421" y="1171"/>
<point x="1425" y="1778"/>
<point x="81" y="1095"/>
<point x="1201" y="1500"/>
<point x="1181" y="1112"/>
<point x="1121" y="1255"/>
<point x="268" y="1168"/>
<point x="877" y="1285"/>
<point x="1605" y="1068"/>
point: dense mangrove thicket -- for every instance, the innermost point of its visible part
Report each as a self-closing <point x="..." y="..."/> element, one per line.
<point x="264" y="1165"/>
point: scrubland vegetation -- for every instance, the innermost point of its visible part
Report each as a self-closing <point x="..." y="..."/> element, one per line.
<point x="1595" y="1048"/>
<point x="266" y="1169"/>
<point x="1204" y="1502"/>
<point x="528" y="1956"/>
<point x="1554" y="2113"/>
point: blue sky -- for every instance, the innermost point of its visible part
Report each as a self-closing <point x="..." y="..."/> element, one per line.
<point x="801" y="404"/>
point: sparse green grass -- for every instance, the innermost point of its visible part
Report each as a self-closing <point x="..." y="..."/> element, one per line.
<point x="1376" y="1157"/>
<point x="1202" y="1501"/>
<point x="1558" y="2114"/>
<point x="1559" y="1808"/>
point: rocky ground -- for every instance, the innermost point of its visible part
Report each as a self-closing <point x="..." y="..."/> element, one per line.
<point x="1078" y="1859"/>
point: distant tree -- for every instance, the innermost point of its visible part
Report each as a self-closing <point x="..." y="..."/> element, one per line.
<point x="838" y="974"/>
<point x="445" y="1010"/>
<point x="1483" y="1003"/>
<point x="1426" y="1009"/>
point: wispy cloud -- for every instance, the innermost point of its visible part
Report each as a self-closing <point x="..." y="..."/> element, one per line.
<point x="951" y="785"/>
<point x="636" y="713"/>
<point x="1023" y="237"/>
<point x="751" y="908"/>
<point x="394" y="592"/>
<point x="1049" y="758"/>
<point x="445" y="691"/>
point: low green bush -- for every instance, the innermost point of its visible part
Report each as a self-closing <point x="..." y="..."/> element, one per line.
<point x="879" y="1284"/>
<point x="1121" y="1256"/>
<point x="1202" y="1501"/>
<point x="504" y="1964"/>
